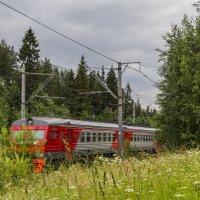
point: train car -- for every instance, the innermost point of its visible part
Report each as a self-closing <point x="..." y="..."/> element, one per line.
<point x="58" y="138"/>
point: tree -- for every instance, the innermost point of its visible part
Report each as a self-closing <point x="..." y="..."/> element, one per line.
<point x="9" y="84"/>
<point x="95" y="99"/>
<point x="128" y="103"/>
<point x="111" y="82"/>
<point x="47" y="107"/>
<point x="180" y="85"/>
<point x="68" y="91"/>
<point x="82" y="85"/>
<point x="4" y="106"/>
<point x="106" y="116"/>
<point x="8" y="62"/>
<point x="138" y="108"/>
<point x="29" y="57"/>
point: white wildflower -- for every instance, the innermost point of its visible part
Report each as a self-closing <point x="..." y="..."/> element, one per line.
<point x="72" y="187"/>
<point x="179" y="195"/>
<point x="184" y="187"/>
<point x="151" y="191"/>
<point x="129" y="190"/>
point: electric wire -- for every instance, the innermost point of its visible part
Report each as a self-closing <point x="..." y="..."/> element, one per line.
<point x="156" y="84"/>
<point x="61" y="34"/>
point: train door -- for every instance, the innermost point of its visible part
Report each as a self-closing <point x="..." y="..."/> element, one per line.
<point x="53" y="140"/>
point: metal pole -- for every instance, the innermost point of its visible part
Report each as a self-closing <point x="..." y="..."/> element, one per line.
<point x="134" y="112"/>
<point x="23" y="93"/>
<point x="120" y="129"/>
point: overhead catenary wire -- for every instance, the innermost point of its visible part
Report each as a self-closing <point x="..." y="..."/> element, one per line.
<point x="156" y="84"/>
<point x="147" y="99"/>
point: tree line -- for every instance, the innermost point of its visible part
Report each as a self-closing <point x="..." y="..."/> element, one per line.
<point x="82" y="95"/>
<point x="179" y="99"/>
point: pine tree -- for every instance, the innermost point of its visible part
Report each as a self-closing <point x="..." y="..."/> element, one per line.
<point x="29" y="57"/>
<point x="68" y="91"/>
<point x="111" y="82"/>
<point x="138" y="108"/>
<point x="82" y="85"/>
<point x="102" y="73"/>
<point x="96" y="98"/>
<point x="8" y="62"/>
<point x="128" y="103"/>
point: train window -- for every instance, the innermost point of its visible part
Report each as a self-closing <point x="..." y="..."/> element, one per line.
<point x="140" y="137"/>
<point x="69" y="136"/>
<point x="109" y="137"/>
<point x="94" y="137"/>
<point x="104" y="137"/>
<point x="88" y="137"/>
<point x="144" y="138"/>
<point x="38" y="134"/>
<point x="83" y="137"/>
<point x="99" y="137"/>
<point x="147" y="138"/>
<point x="135" y="137"/>
<point x="53" y="135"/>
<point x="113" y="137"/>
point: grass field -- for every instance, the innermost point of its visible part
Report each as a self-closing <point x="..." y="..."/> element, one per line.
<point x="164" y="176"/>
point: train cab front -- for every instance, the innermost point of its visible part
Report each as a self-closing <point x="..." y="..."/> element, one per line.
<point x="30" y="136"/>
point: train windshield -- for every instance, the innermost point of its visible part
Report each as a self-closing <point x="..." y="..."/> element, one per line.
<point x="37" y="134"/>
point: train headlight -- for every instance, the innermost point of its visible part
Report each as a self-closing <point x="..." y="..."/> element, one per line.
<point x="29" y="121"/>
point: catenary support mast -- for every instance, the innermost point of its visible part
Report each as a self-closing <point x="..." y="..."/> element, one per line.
<point x="120" y="129"/>
<point x="23" y="92"/>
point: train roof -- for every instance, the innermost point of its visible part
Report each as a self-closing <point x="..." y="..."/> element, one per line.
<point x="51" y="121"/>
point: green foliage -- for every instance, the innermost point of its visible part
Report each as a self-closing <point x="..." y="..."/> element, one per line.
<point x="106" y="116"/>
<point x="4" y="106"/>
<point x="13" y="165"/>
<point x="29" y="57"/>
<point x="74" y="88"/>
<point x="180" y="94"/>
<point x="128" y="103"/>
<point x="49" y="108"/>
<point x="8" y="62"/>
<point x="111" y="82"/>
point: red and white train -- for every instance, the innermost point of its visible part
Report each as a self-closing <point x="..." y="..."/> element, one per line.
<point x="58" y="138"/>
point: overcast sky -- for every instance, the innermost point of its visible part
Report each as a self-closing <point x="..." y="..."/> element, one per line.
<point x="125" y="30"/>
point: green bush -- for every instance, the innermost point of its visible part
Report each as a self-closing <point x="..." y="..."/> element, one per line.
<point x="14" y="165"/>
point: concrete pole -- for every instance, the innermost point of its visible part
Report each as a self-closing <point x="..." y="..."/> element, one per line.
<point x="23" y="92"/>
<point x="134" y="112"/>
<point x="120" y="129"/>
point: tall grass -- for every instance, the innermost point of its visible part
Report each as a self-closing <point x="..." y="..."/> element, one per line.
<point x="13" y="165"/>
<point x="166" y="176"/>
<point x="170" y="175"/>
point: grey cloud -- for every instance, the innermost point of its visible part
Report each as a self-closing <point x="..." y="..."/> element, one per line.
<point x="126" y="30"/>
